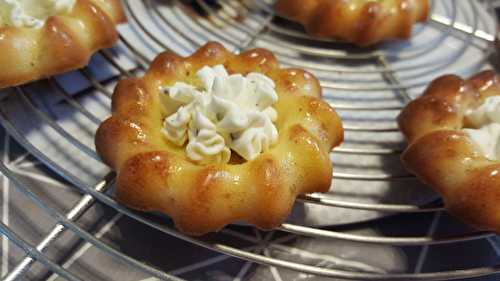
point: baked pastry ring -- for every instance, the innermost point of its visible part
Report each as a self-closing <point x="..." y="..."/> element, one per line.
<point x="444" y="157"/>
<point x="362" y="22"/>
<point x="64" y="42"/>
<point x="155" y="175"/>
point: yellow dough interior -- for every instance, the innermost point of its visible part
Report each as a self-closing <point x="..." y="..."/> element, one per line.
<point x="31" y="13"/>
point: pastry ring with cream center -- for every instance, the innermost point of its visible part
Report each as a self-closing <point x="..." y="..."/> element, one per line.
<point x="147" y="137"/>
<point x="453" y="132"/>
<point x="42" y="38"/>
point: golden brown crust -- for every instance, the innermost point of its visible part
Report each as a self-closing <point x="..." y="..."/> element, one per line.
<point x="442" y="156"/>
<point x="154" y="175"/>
<point x="64" y="43"/>
<point x="362" y="22"/>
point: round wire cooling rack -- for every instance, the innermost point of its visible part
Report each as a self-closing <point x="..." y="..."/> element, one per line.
<point x="367" y="86"/>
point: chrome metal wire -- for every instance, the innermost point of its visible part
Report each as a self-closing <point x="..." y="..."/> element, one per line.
<point x="259" y="30"/>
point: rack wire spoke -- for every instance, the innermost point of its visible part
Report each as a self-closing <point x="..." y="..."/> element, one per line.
<point x="63" y="220"/>
<point x="396" y="208"/>
<point x="35" y="254"/>
<point x="45" y="117"/>
<point x="84" y="204"/>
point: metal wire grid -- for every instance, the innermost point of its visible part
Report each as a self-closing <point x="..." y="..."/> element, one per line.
<point x="267" y="32"/>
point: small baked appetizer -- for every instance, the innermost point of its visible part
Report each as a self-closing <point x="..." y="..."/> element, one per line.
<point x="453" y="132"/>
<point x="40" y="38"/>
<point x="216" y="138"/>
<point x="362" y="22"/>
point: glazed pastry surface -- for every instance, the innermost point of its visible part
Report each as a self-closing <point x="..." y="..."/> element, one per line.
<point x="362" y="22"/>
<point x="443" y="154"/>
<point x="43" y="41"/>
<point x="155" y="174"/>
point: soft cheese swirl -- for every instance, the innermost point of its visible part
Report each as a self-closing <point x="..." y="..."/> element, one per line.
<point x="228" y="112"/>
<point x="486" y="122"/>
<point x="31" y="13"/>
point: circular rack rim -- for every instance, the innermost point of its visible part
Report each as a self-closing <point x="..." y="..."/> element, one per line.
<point x="96" y="193"/>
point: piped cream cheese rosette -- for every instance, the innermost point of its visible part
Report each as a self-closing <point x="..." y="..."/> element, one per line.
<point x="31" y="13"/>
<point x="229" y="112"/>
<point x="485" y="123"/>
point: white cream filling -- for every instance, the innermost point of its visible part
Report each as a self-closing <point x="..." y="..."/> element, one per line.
<point x="229" y="112"/>
<point x="31" y="13"/>
<point x="486" y="120"/>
